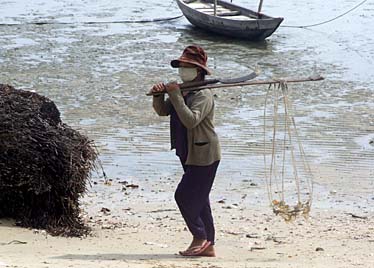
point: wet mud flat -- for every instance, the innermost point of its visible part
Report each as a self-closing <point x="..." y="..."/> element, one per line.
<point x="98" y="75"/>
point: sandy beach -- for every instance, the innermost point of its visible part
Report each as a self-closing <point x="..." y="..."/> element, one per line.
<point x="143" y="233"/>
<point x="133" y="228"/>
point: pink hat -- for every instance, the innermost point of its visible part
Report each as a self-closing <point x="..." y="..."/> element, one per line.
<point x="194" y="55"/>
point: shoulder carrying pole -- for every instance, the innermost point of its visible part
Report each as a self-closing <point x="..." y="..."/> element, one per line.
<point x="251" y="83"/>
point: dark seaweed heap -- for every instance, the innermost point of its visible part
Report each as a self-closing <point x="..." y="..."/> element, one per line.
<point x="44" y="164"/>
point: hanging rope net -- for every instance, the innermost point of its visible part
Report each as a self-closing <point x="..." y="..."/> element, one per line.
<point x="288" y="176"/>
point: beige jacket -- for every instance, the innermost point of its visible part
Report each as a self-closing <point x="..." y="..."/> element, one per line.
<point x="197" y="116"/>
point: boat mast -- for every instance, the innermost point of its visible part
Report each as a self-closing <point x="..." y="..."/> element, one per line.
<point x="215" y="7"/>
<point x="259" y="8"/>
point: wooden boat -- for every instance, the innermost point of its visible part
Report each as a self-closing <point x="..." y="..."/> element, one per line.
<point x="229" y="19"/>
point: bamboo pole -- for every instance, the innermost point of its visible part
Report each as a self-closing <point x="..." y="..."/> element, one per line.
<point x="251" y="83"/>
<point x="215" y="7"/>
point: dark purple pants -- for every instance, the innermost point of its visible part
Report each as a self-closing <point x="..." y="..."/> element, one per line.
<point x="192" y="197"/>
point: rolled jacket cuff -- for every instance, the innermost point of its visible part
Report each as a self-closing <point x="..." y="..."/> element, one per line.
<point x="176" y="96"/>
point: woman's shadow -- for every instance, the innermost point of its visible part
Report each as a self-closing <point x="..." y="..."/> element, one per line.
<point x="118" y="257"/>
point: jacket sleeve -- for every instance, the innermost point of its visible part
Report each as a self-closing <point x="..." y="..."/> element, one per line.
<point x="161" y="106"/>
<point x="200" y="107"/>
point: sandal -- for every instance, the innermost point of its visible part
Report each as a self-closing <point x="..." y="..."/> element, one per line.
<point x="196" y="251"/>
<point x="183" y="253"/>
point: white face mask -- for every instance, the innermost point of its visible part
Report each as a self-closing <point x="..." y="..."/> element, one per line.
<point x="187" y="74"/>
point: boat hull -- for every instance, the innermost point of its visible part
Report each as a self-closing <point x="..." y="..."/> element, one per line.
<point x="254" y="29"/>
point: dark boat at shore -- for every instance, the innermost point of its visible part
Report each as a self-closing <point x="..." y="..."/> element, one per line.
<point x="228" y="19"/>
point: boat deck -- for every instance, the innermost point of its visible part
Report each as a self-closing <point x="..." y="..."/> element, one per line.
<point x="208" y="9"/>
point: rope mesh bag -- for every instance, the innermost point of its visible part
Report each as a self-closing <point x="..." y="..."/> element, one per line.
<point x="288" y="176"/>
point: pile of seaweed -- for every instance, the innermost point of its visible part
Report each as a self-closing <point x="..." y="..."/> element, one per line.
<point x="45" y="165"/>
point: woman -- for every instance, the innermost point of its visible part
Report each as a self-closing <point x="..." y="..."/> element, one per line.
<point x="196" y="144"/>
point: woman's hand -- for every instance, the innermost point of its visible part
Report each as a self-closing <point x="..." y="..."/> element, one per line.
<point x="160" y="87"/>
<point x="171" y="86"/>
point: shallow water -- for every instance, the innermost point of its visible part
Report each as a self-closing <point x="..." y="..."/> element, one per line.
<point x="98" y="75"/>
